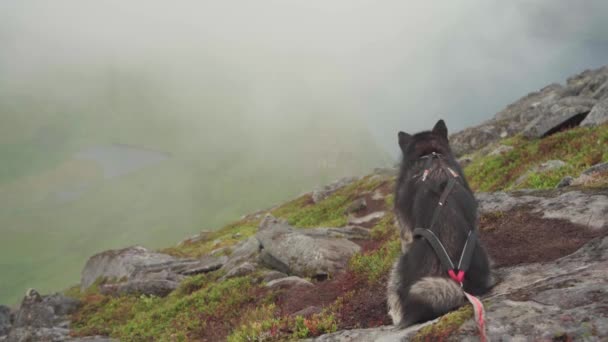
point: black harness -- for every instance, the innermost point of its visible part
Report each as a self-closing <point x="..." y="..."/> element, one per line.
<point x="456" y="272"/>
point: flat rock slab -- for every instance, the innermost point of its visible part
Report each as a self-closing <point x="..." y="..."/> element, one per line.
<point x="122" y="263"/>
<point x="303" y="252"/>
<point x="599" y="113"/>
<point x="588" y="208"/>
<point x="137" y="263"/>
<point x="288" y="282"/>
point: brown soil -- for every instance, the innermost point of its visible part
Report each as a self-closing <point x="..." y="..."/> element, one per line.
<point x="324" y="293"/>
<point x="366" y="308"/>
<point x="520" y="237"/>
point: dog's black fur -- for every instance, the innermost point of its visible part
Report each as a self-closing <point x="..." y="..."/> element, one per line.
<point x="419" y="289"/>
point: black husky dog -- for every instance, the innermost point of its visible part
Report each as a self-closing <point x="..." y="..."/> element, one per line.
<point x="419" y="287"/>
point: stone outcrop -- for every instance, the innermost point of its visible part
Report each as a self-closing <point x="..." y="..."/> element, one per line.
<point x="599" y="113"/>
<point x="136" y="270"/>
<point x="588" y="208"/>
<point x="41" y="318"/>
<point x="307" y="252"/>
<point x="581" y="101"/>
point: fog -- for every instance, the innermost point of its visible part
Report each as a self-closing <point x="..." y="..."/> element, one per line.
<point x="397" y="64"/>
<point x="253" y="102"/>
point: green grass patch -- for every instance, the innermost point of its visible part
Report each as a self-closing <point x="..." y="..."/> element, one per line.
<point x="580" y="148"/>
<point x="228" y="236"/>
<point x="182" y="316"/>
<point x="446" y="325"/>
<point x="374" y="265"/>
<point x="385" y="228"/>
<point x="330" y="211"/>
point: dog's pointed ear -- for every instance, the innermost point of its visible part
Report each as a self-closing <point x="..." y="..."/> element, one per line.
<point x="441" y="129"/>
<point x="404" y="139"/>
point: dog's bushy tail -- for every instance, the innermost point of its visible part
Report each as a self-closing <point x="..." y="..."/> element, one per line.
<point x="428" y="298"/>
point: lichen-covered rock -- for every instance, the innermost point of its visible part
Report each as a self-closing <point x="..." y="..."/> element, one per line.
<point x="303" y="252"/>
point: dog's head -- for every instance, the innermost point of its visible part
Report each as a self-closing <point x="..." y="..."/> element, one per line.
<point x="423" y="143"/>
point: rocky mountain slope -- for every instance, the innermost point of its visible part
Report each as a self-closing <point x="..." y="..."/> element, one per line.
<point x="316" y="267"/>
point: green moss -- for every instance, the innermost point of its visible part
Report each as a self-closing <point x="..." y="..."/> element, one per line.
<point x="330" y="211"/>
<point x="374" y="265"/>
<point x="181" y="316"/>
<point x="265" y="324"/>
<point x="580" y="148"/>
<point x="446" y="325"/>
<point x="225" y="237"/>
<point x="390" y="201"/>
<point x="385" y="228"/>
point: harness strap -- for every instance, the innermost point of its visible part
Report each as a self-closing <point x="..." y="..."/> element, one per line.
<point x="433" y="240"/>
<point x="467" y="251"/>
<point x="442" y="254"/>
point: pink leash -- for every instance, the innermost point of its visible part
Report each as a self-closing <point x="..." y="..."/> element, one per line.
<point x="480" y="316"/>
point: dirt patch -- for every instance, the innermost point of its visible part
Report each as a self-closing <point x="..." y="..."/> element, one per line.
<point x="363" y="305"/>
<point x="519" y="237"/>
<point x="366" y="308"/>
<point x="218" y="328"/>
<point x="322" y="294"/>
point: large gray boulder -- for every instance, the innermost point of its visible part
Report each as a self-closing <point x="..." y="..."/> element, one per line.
<point x="598" y="114"/>
<point x="565" y="299"/>
<point x="566" y="112"/>
<point x="303" y="252"/>
<point x="120" y="264"/>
